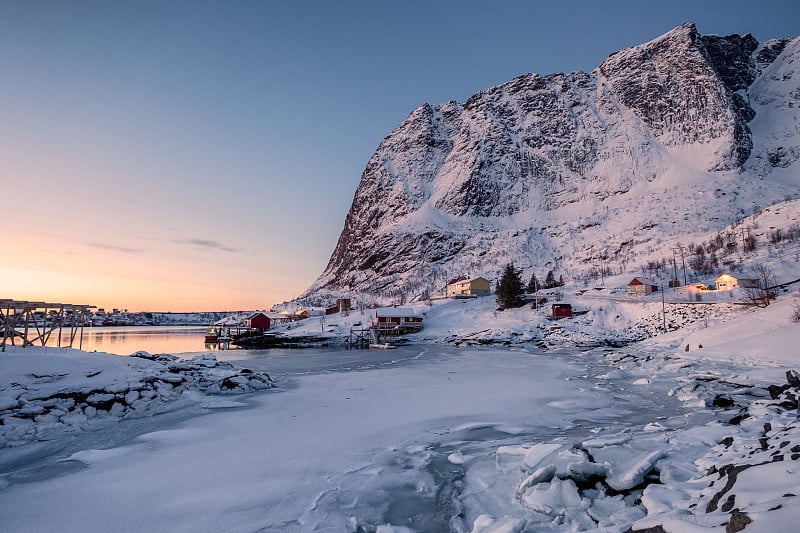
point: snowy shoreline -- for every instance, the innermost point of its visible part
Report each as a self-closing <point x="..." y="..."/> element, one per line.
<point x="49" y="392"/>
<point x="669" y="474"/>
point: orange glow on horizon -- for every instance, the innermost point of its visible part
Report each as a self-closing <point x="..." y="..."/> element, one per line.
<point x="131" y="294"/>
<point x="162" y="283"/>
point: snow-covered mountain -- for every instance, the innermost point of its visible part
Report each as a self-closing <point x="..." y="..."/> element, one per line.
<point x="662" y="144"/>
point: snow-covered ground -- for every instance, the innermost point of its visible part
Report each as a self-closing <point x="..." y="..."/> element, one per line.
<point x="689" y="430"/>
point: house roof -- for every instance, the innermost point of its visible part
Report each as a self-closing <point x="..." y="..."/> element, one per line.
<point x="465" y="279"/>
<point x="271" y="316"/>
<point x="395" y="312"/>
<point x="643" y="281"/>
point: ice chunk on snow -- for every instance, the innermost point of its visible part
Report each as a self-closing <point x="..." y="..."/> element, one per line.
<point x="659" y="499"/>
<point x="388" y="528"/>
<point x="487" y="524"/>
<point x="613" y="510"/>
<point x="583" y="471"/>
<point x="627" y="475"/>
<point x="541" y="475"/>
<point x="551" y="498"/>
<point x="537" y="454"/>
<point x="458" y="458"/>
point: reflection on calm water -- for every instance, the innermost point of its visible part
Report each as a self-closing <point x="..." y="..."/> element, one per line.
<point x="125" y="340"/>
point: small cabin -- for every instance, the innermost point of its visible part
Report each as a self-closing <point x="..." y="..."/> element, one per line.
<point x="259" y="321"/>
<point x="726" y="282"/>
<point x="561" y="310"/>
<point x="641" y="287"/>
<point x="342" y="306"/>
<point x="469" y="287"/>
<point x="396" y="321"/>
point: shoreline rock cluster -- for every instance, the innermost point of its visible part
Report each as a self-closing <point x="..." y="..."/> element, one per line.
<point x="41" y="408"/>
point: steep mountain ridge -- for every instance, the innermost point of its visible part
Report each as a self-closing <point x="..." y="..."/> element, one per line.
<point x="672" y="138"/>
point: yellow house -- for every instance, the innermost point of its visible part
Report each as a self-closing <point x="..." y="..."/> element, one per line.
<point x="474" y="287"/>
<point x="726" y="282"/>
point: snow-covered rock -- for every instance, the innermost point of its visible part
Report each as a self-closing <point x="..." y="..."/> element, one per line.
<point x="47" y="392"/>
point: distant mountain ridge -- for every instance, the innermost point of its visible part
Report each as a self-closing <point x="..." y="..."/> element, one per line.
<point x="668" y="140"/>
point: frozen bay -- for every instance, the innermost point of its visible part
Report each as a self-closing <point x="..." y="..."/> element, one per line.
<point x="347" y="438"/>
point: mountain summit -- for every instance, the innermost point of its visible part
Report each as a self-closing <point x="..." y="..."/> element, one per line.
<point x="666" y="141"/>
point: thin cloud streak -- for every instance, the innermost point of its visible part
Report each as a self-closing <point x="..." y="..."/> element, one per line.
<point x="123" y="249"/>
<point x="205" y="243"/>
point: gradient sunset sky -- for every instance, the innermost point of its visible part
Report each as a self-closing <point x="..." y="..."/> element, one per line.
<point x="196" y="155"/>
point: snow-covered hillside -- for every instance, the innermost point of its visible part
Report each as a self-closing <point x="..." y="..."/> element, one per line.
<point x="671" y="140"/>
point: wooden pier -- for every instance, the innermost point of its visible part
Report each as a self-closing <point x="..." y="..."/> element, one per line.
<point x="361" y="337"/>
<point x="34" y="322"/>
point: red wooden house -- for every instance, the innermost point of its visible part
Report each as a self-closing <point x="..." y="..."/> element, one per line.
<point x="397" y="321"/>
<point x="259" y="321"/>
<point x="561" y="310"/>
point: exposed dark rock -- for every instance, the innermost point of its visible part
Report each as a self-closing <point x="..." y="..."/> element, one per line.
<point x="736" y="420"/>
<point x="654" y="529"/>
<point x="729" y="503"/>
<point x="721" y="400"/>
<point x="730" y="472"/>
<point x="737" y="522"/>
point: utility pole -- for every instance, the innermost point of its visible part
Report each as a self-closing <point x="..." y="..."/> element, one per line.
<point x="679" y="249"/>
<point x="674" y="269"/>
<point x="663" y="310"/>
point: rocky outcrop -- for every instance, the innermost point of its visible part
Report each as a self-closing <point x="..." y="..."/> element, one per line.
<point x="27" y="413"/>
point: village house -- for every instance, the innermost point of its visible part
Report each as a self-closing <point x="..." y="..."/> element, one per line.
<point x="641" y="287"/>
<point x="561" y="310"/>
<point x="259" y="321"/>
<point x="726" y="282"/>
<point x="463" y="286"/>
<point x="396" y="321"/>
<point x="262" y="321"/>
<point x="342" y="306"/>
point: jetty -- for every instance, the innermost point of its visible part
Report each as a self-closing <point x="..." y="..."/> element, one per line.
<point x="259" y="340"/>
<point x="31" y="322"/>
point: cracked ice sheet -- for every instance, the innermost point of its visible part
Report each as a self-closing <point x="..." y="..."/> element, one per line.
<point x="314" y="455"/>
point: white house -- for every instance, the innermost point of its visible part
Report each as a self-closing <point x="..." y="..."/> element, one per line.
<point x="727" y="282"/>
<point x="641" y="287"/>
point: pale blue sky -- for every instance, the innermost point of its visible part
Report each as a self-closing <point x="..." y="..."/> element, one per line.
<point x="203" y="155"/>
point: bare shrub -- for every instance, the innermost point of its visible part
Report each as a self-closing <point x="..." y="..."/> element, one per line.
<point x="762" y="294"/>
<point x="796" y="312"/>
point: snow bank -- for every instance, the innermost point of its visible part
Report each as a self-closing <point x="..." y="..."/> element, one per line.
<point x="47" y="392"/>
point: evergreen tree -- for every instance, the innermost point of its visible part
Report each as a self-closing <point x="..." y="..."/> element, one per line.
<point x="550" y="280"/>
<point x="561" y="280"/>
<point x="510" y="289"/>
<point x="533" y="285"/>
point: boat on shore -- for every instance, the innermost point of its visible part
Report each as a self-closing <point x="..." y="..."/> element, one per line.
<point x="212" y="336"/>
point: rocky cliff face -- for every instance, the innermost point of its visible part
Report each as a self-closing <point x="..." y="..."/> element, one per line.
<point x="659" y="141"/>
